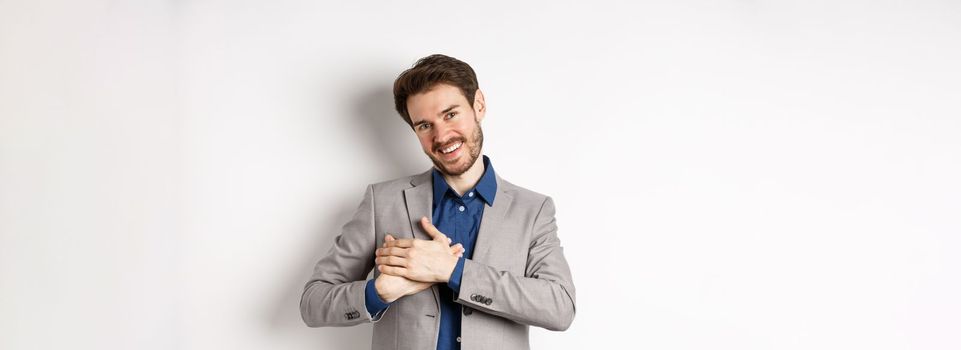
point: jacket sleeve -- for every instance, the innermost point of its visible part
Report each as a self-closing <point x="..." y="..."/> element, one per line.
<point x="543" y="297"/>
<point x="335" y="293"/>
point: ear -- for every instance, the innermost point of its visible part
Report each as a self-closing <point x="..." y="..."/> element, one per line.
<point x="480" y="107"/>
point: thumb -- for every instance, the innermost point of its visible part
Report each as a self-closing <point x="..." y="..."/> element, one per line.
<point x="432" y="231"/>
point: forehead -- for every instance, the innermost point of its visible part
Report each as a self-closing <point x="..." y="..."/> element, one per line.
<point x="431" y="103"/>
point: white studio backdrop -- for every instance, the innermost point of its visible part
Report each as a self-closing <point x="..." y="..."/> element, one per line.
<point x="728" y="174"/>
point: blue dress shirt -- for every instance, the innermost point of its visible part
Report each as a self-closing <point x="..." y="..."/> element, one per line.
<point x="458" y="217"/>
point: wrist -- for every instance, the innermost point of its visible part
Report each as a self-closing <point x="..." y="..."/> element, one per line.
<point x="382" y="293"/>
<point x="449" y="267"/>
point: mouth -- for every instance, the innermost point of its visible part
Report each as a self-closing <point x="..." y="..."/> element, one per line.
<point x="452" y="151"/>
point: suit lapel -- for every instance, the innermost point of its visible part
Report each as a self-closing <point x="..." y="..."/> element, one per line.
<point x="419" y="201"/>
<point x="490" y="232"/>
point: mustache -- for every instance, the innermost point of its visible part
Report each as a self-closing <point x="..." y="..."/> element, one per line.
<point x="438" y="146"/>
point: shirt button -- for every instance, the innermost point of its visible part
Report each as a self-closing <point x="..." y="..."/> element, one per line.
<point x="470" y="194"/>
<point x="458" y="339"/>
<point x="461" y="208"/>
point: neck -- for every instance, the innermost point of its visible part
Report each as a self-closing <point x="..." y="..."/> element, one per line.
<point x="463" y="182"/>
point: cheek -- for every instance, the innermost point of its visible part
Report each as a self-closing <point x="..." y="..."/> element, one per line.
<point x="425" y="142"/>
<point x="466" y="130"/>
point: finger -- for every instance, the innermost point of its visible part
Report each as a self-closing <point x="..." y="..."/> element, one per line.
<point x="389" y="238"/>
<point x="392" y="270"/>
<point x="449" y="241"/>
<point x="432" y="231"/>
<point x="391" y="251"/>
<point x="403" y="243"/>
<point x="391" y="260"/>
<point x="458" y="250"/>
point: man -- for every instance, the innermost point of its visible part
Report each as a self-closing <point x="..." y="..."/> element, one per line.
<point x="505" y="270"/>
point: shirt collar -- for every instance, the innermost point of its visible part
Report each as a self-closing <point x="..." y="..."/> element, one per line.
<point x="486" y="187"/>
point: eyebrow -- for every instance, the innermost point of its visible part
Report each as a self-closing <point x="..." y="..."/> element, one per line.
<point x="448" y="109"/>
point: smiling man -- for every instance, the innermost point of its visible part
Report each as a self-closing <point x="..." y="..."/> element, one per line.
<point x="464" y="259"/>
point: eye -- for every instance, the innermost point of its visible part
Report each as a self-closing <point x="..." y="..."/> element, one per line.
<point x="423" y="126"/>
<point x="450" y="115"/>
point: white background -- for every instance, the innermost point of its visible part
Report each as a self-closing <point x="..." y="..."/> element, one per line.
<point x="728" y="174"/>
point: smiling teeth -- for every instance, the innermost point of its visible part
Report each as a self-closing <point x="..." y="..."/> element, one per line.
<point x="451" y="148"/>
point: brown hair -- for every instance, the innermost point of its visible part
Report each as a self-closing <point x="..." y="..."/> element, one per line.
<point x="428" y="72"/>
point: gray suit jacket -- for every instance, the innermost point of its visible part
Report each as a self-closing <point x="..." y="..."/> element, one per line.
<point x="517" y="277"/>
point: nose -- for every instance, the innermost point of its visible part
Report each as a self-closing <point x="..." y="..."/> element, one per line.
<point x="441" y="133"/>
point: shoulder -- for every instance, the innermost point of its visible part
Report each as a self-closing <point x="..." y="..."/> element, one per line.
<point x="524" y="197"/>
<point x="399" y="184"/>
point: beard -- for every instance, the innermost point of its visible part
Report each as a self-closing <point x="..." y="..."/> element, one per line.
<point x="473" y="145"/>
